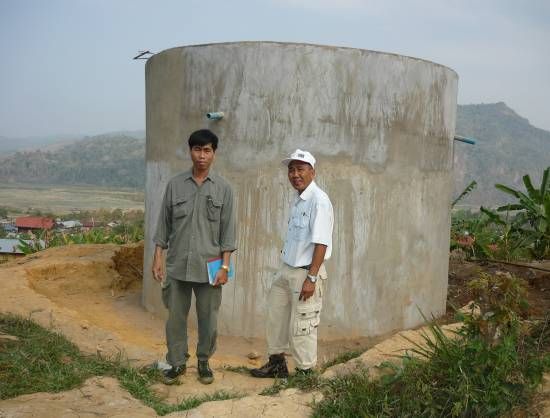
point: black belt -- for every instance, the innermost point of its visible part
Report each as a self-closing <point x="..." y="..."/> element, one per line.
<point x="305" y="267"/>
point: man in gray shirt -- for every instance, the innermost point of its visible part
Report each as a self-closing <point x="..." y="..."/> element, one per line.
<point x="196" y="224"/>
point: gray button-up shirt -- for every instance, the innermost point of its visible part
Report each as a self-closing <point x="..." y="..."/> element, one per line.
<point x="196" y="223"/>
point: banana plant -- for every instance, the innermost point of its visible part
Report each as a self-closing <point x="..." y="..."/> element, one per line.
<point x="532" y="213"/>
<point x="30" y="246"/>
<point x="473" y="235"/>
<point x="469" y="188"/>
<point x="512" y="241"/>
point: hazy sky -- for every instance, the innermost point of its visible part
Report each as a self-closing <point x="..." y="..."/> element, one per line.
<point x="66" y="66"/>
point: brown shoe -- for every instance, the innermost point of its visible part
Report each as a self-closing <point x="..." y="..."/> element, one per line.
<point x="275" y="367"/>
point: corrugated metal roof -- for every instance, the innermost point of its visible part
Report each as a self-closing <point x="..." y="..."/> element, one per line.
<point x="34" y="222"/>
<point x="71" y="224"/>
<point x="11" y="246"/>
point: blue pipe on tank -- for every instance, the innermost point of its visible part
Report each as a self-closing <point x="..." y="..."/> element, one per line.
<point x="470" y="141"/>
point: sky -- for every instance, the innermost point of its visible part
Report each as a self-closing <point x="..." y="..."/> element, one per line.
<point x="67" y="69"/>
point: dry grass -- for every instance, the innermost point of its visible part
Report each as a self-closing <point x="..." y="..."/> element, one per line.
<point x="65" y="199"/>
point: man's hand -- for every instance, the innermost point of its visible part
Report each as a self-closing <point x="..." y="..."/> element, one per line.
<point x="308" y="288"/>
<point x="221" y="278"/>
<point x="158" y="267"/>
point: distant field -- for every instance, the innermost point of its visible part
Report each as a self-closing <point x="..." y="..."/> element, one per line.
<point x="65" y="199"/>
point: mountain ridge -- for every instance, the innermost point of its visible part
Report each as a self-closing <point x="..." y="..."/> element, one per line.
<point x="507" y="147"/>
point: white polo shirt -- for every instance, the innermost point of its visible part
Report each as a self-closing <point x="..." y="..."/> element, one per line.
<point x="311" y="221"/>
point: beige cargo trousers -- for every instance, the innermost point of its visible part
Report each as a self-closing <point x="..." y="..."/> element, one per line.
<point x="292" y="323"/>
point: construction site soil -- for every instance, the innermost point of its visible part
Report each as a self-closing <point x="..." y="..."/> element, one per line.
<point x="92" y="294"/>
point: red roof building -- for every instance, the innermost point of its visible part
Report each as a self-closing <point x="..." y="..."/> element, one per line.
<point x="33" y="222"/>
<point x="90" y="223"/>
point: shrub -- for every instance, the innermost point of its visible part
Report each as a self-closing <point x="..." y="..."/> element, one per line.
<point x="489" y="367"/>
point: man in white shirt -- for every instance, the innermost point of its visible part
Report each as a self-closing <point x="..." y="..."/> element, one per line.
<point x="296" y="296"/>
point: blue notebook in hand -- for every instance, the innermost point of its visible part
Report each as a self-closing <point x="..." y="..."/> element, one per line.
<point x="213" y="265"/>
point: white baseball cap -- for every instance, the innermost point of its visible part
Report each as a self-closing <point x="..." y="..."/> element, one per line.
<point x="300" y="155"/>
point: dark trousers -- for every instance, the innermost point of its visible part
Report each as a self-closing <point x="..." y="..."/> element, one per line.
<point x="176" y="295"/>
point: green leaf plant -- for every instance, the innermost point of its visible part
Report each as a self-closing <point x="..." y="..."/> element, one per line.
<point x="531" y="215"/>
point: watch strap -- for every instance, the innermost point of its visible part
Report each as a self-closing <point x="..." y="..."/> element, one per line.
<point x="312" y="278"/>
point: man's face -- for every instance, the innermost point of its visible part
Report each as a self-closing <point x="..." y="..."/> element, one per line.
<point x="300" y="175"/>
<point x="202" y="156"/>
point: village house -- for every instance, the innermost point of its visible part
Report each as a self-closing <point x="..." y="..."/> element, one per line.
<point x="7" y="226"/>
<point x="11" y="246"/>
<point x="33" y="223"/>
<point x="70" y="224"/>
<point x="88" y="224"/>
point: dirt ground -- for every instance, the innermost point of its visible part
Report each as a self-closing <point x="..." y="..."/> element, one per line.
<point x="537" y="283"/>
<point x="91" y="293"/>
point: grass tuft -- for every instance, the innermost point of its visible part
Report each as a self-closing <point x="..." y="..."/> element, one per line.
<point x="193" y="402"/>
<point x="341" y="358"/>
<point x="238" y="369"/>
<point x="305" y="382"/>
<point x="40" y="360"/>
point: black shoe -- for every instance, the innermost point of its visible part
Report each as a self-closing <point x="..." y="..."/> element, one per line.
<point x="170" y="376"/>
<point x="205" y="373"/>
<point x="275" y="367"/>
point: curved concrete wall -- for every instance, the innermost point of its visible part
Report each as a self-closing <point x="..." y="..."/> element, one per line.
<point x="381" y="127"/>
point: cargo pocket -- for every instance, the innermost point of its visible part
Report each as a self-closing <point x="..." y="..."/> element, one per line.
<point x="214" y="209"/>
<point x="307" y="318"/>
<point x="166" y="293"/>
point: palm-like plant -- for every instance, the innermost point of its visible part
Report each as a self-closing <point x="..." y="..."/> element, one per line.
<point x="469" y="188"/>
<point x="533" y="212"/>
<point x="34" y="244"/>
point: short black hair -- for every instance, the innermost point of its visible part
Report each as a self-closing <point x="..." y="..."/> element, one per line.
<point x="203" y="137"/>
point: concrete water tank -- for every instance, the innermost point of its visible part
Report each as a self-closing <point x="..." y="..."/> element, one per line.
<point x="381" y="127"/>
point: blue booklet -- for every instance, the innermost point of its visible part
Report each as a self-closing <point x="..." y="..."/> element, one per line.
<point x="213" y="265"/>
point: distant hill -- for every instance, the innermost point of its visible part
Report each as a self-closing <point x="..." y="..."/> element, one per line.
<point x="105" y="160"/>
<point x="507" y="148"/>
<point x="10" y="145"/>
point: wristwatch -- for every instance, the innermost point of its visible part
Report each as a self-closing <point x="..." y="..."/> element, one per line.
<point x="224" y="267"/>
<point x="312" y="278"/>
